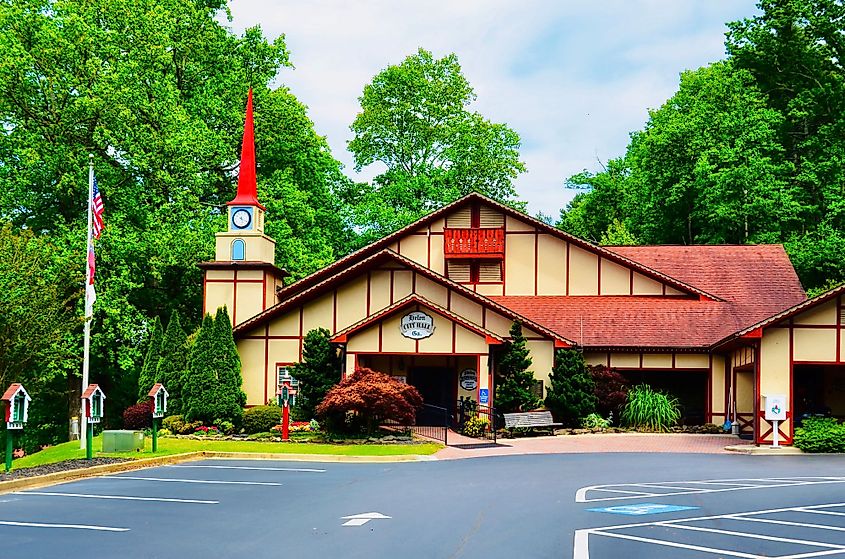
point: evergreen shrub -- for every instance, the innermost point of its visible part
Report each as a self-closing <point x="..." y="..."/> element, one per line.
<point x="571" y="394"/>
<point x="514" y="379"/>
<point x="820" y="434"/>
<point x="260" y="419"/>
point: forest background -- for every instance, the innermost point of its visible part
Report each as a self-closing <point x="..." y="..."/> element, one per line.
<point x="750" y="149"/>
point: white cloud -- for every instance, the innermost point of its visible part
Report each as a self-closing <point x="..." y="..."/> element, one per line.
<point x="572" y="78"/>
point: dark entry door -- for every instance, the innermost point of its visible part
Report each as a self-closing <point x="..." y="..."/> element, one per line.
<point x="438" y="386"/>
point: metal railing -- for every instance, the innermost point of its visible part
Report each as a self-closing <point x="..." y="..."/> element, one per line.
<point x="477" y="421"/>
<point x="432" y="422"/>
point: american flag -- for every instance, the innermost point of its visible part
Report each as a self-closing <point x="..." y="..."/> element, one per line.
<point x="96" y="211"/>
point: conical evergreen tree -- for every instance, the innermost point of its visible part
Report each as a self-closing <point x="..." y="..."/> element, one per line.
<point x="514" y="380"/>
<point x="172" y="363"/>
<point x="230" y="382"/>
<point x="150" y="369"/>
<point x="571" y="394"/>
<point x="201" y="379"/>
<point x="319" y="371"/>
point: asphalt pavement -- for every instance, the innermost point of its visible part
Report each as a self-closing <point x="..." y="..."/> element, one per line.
<point x="543" y="506"/>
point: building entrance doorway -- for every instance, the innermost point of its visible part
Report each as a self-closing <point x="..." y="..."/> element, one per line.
<point x="818" y="390"/>
<point x="438" y="386"/>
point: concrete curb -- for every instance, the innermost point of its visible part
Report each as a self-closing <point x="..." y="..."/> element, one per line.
<point x="141" y="463"/>
<point x="94" y="471"/>
<point x="764" y="450"/>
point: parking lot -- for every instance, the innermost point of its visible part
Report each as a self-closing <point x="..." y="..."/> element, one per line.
<point x="582" y="506"/>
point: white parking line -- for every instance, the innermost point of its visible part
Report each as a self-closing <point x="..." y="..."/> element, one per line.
<point x="645" y="489"/>
<point x="267" y="469"/>
<point x="117" y="497"/>
<point x="71" y="526"/>
<point x="581" y="543"/>
<point x="213" y="481"/>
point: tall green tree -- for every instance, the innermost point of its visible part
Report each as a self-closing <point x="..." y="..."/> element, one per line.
<point x="571" y="395"/>
<point x="150" y="371"/>
<point x="514" y="379"/>
<point x="231" y="397"/>
<point x="155" y="90"/>
<point x="416" y="121"/>
<point x="173" y="359"/>
<point x="319" y="370"/>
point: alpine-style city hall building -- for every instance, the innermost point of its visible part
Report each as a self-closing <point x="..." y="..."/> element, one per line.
<point x="720" y="327"/>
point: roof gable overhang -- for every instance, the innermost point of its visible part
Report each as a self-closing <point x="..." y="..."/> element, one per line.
<point x="476" y="198"/>
<point x="415" y="300"/>
<point x="755" y="331"/>
<point x="382" y="258"/>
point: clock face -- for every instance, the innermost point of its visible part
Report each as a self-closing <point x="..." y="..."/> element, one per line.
<point x="241" y="219"/>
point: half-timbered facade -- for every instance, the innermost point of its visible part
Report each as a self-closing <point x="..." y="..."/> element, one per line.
<point x="718" y="326"/>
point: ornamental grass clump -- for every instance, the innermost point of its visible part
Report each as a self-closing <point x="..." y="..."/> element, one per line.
<point x="650" y="410"/>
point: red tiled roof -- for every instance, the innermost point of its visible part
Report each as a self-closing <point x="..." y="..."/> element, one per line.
<point x="758" y="280"/>
<point x="754" y="281"/>
<point x="90" y="390"/>
<point x="13" y="388"/>
<point x="625" y="321"/>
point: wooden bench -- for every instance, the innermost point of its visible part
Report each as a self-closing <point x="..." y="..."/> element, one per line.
<point x="530" y="420"/>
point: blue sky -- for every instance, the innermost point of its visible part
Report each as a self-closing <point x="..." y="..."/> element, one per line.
<point x="573" y="78"/>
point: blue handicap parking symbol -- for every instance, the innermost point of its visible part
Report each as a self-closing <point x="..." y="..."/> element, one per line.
<point x="642" y="508"/>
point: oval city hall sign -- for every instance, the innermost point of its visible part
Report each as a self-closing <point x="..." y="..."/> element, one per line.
<point x="417" y="325"/>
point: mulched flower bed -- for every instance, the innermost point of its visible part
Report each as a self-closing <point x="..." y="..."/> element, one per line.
<point x="58" y="467"/>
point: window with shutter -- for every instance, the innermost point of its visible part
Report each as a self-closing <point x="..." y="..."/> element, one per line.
<point x="461" y="219"/>
<point x="488" y="217"/>
<point x="459" y="271"/>
<point x="490" y="272"/>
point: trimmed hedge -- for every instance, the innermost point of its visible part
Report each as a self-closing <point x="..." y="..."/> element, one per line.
<point x="820" y="434"/>
<point x="260" y="419"/>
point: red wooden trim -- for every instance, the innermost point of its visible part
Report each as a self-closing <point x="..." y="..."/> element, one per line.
<point x="235" y="300"/>
<point x="455" y="336"/>
<point x="664" y="369"/>
<point x="392" y="281"/>
<point x="791" y="378"/>
<point x="246" y="281"/>
<point x="728" y="385"/>
<point x="536" y="264"/>
<point x="334" y="311"/>
<point x="673" y="360"/>
<point x="489" y="340"/>
<point x="568" y="271"/>
<point x="559" y="344"/>
<point x="478" y="375"/>
<point x="301" y="334"/>
<point x="809" y="326"/>
<point x="380" y="332"/>
<point x="641" y="360"/>
<point x="598" y="274"/>
<point x="664" y="289"/>
<point x="818" y="363"/>
<point x="266" y="358"/>
<point x="339" y="339"/>
<point x="204" y="302"/>
<point x="757" y="393"/>
<point x="264" y="292"/>
<point x="631" y="280"/>
<point x="708" y="414"/>
<point x="369" y="289"/>
<point x="413" y="353"/>
<point x="839" y="328"/>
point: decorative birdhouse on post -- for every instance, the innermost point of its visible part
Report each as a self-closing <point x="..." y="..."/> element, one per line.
<point x="158" y="395"/>
<point x="17" y="406"/>
<point x="94" y="398"/>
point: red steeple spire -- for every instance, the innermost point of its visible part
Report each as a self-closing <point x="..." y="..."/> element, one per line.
<point x="247" y="186"/>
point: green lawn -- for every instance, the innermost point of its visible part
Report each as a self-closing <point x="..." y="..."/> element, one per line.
<point x="70" y="450"/>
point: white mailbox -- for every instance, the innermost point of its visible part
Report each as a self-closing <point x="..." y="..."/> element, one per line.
<point x="775" y="407"/>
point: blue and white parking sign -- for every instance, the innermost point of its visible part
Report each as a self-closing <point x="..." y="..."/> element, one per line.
<point x="641" y="509"/>
<point x="484" y="396"/>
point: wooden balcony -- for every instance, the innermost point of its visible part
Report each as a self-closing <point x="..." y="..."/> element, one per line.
<point x="474" y="243"/>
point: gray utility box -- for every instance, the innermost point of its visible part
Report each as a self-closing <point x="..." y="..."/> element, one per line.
<point x="123" y="441"/>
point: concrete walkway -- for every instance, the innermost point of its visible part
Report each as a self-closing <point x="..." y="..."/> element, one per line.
<point x="611" y="442"/>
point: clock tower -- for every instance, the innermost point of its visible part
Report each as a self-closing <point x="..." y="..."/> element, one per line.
<point x="243" y="276"/>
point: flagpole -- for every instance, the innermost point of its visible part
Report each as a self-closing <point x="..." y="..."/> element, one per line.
<point x="83" y="421"/>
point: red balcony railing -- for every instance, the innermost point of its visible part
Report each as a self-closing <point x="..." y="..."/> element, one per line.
<point x="474" y="243"/>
